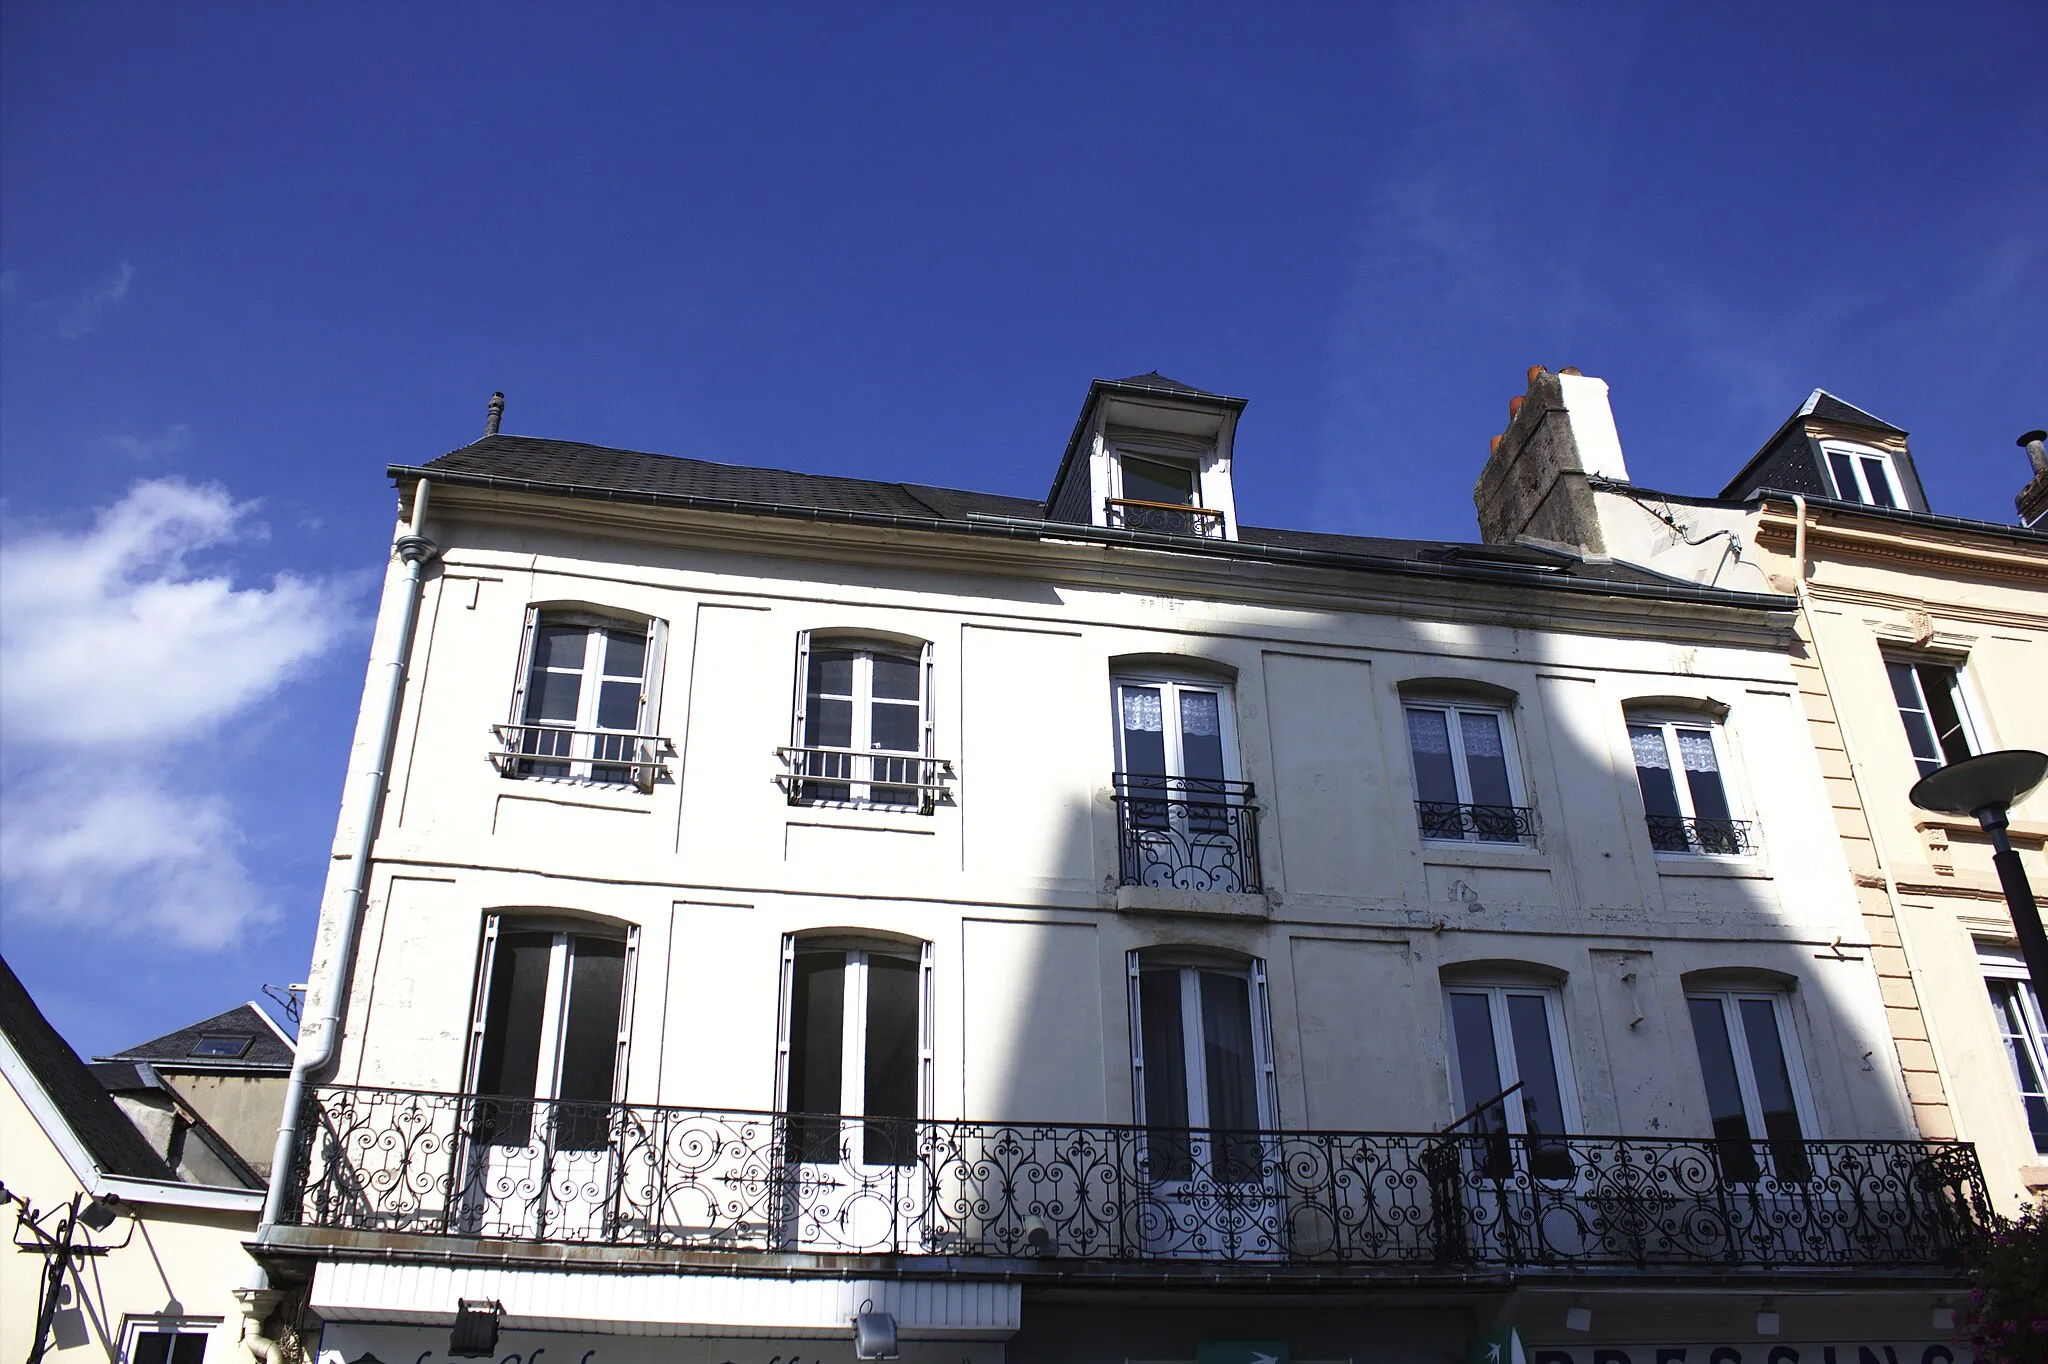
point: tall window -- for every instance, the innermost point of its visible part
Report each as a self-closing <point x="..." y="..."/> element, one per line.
<point x="1202" y="1066"/>
<point x="1931" y="706"/>
<point x="855" y="1051"/>
<point x="1503" y="1038"/>
<point x="586" y="700"/>
<point x="1751" y="1070"/>
<point x="1467" y="785"/>
<point x="863" y="725"/>
<point x="1863" y="475"/>
<point x="2026" y="1038"/>
<point x="1158" y="492"/>
<point x="1184" y="820"/>
<point x="1688" y="813"/>
<point x="550" y="1038"/>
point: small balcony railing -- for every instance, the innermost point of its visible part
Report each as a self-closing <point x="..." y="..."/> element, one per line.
<point x="1167" y="518"/>
<point x="1187" y="833"/>
<point x="604" y="757"/>
<point x="1446" y="819"/>
<point x="396" y="1161"/>
<point x="1725" y="837"/>
<point x="852" y="776"/>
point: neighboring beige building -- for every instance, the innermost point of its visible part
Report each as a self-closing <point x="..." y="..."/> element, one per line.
<point x="1922" y="639"/>
<point x="155" y="1282"/>
<point x="1082" y="929"/>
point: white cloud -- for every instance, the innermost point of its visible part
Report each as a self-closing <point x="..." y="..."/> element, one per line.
<point x="117" y="659"/>
<point x="88" y="308"/>
<point x="174" y="438"/>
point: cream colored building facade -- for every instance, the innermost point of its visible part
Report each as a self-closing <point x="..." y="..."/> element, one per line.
<point x="1082" y="929"/>
<point x="1921" y="638"/>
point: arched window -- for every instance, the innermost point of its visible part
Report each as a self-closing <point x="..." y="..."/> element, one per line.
<point x="1184" y="820"/>
<point x="1468" y="778"/>
<point x="586" y="699"/>
<point x="1201" y="1063"/>
<point x="1682" y="767"/>
<point x="1756" y="1086"/>
<point x="863" y="728"/>
<point x="1510" y="1067"/>
<point x="855" y="1048"/>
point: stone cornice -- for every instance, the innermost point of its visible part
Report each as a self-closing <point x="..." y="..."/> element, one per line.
<point x="1944" y="547"/>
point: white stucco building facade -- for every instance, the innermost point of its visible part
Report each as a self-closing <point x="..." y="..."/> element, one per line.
<point x="1087" y="929"/>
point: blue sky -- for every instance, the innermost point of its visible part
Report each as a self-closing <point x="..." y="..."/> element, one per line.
<point x="250" y="254"/>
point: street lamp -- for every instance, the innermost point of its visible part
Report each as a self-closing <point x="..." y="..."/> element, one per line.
<point x="1987" y="786"/>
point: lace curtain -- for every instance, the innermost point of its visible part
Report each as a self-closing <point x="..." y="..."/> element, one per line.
<point x="1141" y="711"/>
<point x="1427" y="733"/>
<point x="1482" y="735"/>
<point x="1199" y="717"/>
<point x="1696" y="751"/>
<point x="1648" y="746"/>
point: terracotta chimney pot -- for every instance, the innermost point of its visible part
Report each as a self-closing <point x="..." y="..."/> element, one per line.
<point x="1514" y="406"/>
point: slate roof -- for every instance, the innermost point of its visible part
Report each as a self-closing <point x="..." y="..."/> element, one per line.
<point x="1828" y="408"/>
<point x="93" y="1117"/>
<point x="268" y="1049"/>
<point x="574" y="469"/>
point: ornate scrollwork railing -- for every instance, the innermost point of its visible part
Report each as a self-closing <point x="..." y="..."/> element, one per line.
<point x="1727" y="837"/>
<point x="1187" y="833"/>
<point x="625" y="1174"/>
<point x="1487" y="823"/>
<point x="1168" y="518"/>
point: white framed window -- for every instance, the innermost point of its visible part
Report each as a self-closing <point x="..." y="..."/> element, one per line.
<point x="1468" y="783"/>
<point x="1175" y="734"/>
<point x="1934" y="707"/>
<point x="855" y="1050"/>
<point x="1201" y="1066"/>
<point x="1756" y="1086"/>
<point x="1511" y="1038"/>
<point x="586" y="700"/>
<point x="1184" y="819"/>
<point x="165" y="1340"/>
<point x="863" y="727"/>
<point x="2020" y="1024"/>
<point x="1861" y="474"/>
<point x="1150" y="490"/>
<point x="1681" y="769"/>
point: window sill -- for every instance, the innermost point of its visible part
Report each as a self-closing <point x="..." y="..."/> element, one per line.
<point x="1712" y="865"/>
<point x="601" y="795"/>
<point x="904" y="819"/>
<point x="1213" y="904"/>
<point x="1501" y="856"/>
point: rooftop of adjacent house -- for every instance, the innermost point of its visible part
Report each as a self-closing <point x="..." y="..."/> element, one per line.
<point x="574" y="469"/>
<point x="107" y="1134"/>
<point x="1820" y="405"/>
<point x="243" y="1038"/>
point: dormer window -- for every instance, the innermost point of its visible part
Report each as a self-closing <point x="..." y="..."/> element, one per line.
<point x="1150" y="454"/>
<point x="1158" y="493"/>
<point x="1863" y="475"/>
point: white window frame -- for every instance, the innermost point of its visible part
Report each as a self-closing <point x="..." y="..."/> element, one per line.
<point x="859" y="750"/>
<point x="1192" y="1047"/>
<point x="1958" y="693"/>
<point x="1669" y="723"/>
<point x="1999" y="962"/>
<point x="1171" y="685"/>
<point x="547" y="1078"/>
<point x="1856" y="454"/>
<point x="1504" y="1052"/>
<point x="1780" y="1001"/>
<point x="1170" y="459"/>
<point x="641" y="758"/>
<point x="853" y="1034"/>
<point x="133" y="1328"/>
<point x="1453" y="711"/>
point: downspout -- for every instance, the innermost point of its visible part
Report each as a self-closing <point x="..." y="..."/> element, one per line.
<point x="1884" y="868"/>
<point x="319" y="1053"/>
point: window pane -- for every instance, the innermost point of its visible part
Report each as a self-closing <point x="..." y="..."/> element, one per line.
<point x="1709" y="797"/>
<point x="1478" y="1062"/>
<point x="1913" y="714"/>
<point x="1844" y="469"/>
<point x="618" y="706"/>
<point x="152" y="1347"/>
<point x="1231" y="1075"/>
<point x="509" y="1064"/>
<point x="1724" y="1090"/>
<point x="817" y="1029"/>
<point x="1880" y="486"/>
<point x="890" y="1081"/>
<point x="1148" y="480"/>
<point x="1201" y="740"/>
<point x="189" y="1349"/>
<point x="1486" y="765"/>
<point x="895" y="728"/>
<point x="1938" y="685"/>
<point x="2020" y="1026"/>
<point x="828" y="724"/>
<point x="559" y="646"/>
<point x="1164" y="1047"/>
<point x="625" y="653"/>
<point x="553" y="696"/>
<point x="1144" y="730"/>
<point x="895" y="677"/>
<point x="1660" y="795"/>
<point x="1536" y="1065"/>
<point x="1773" y="1086"/>
<point x="590" y="1042"/>
<point x="1429" y="741"/>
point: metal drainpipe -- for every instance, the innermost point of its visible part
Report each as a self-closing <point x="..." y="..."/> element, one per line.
<point x="1884" y="869"/>
<point x="314" y="1057"/>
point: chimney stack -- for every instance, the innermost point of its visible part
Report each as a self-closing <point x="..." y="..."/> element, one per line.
<point x="1559" y="434"/>
<point x="495" y="414"/>
<point x="2033" y="499"/>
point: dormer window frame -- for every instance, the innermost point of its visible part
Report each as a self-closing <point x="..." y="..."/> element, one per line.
<point x="1858" y="461"/>
<point x="1121" y="509"/>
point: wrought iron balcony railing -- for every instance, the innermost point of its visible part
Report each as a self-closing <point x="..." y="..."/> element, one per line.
<point x="1727" y="837"/>
<point x="853" y="776"/>
<point x="1487" y="823"/>
<point x="1187" y="833"/>
<point x="603" y="756"/>
<point x="1168" y="518"/>
<point x="397" y="1161"/>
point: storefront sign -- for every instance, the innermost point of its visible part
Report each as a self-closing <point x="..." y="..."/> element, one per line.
<point x="1754" y="1352"/>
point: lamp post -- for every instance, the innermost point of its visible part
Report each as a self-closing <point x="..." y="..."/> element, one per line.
<point x="1987" y="786"/>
